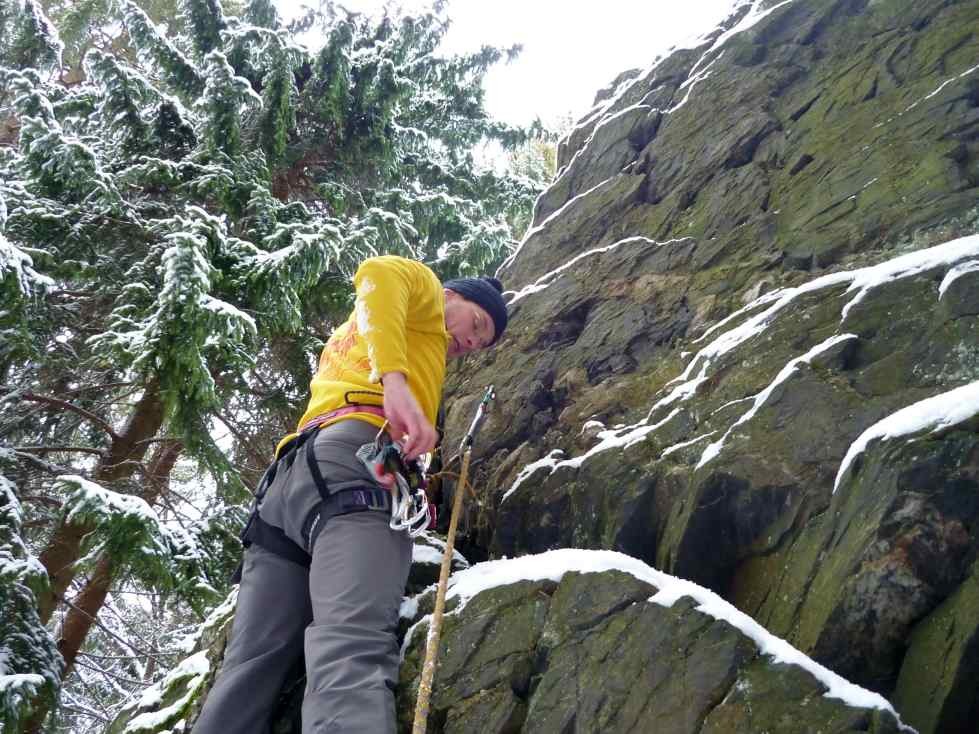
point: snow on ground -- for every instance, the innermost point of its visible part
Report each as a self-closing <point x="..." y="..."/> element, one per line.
<point x="933" y="414"/>
<point x="552" y="565"/>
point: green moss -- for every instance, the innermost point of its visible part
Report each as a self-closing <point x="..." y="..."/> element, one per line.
<point x="936" y="688"/>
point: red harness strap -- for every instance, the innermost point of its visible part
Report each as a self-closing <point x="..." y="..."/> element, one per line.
<point x="346" y="410"/>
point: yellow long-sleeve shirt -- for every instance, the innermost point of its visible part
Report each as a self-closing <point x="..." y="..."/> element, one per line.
<point x="397" y="325"/>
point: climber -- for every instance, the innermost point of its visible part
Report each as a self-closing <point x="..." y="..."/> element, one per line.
<point x="324" y="570"/>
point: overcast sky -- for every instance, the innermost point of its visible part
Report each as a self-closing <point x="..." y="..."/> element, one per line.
<point x="571" y="48"/>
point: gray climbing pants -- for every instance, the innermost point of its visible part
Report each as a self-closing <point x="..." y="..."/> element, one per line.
<point x="342" y="613"/>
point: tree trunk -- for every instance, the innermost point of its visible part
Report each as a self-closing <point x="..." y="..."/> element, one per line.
<point x="123" y="458"/>
<point x="84" y="609"/>
<point x="86" y="606"/>
<point x="82" y="614"/>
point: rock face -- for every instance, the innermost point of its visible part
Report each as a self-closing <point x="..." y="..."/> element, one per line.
<point x="757" y="252"/>
<point x="744" y="348"/>
<point x="594" y="653"/>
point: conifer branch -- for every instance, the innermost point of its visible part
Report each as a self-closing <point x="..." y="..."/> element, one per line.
<point x="56" y="449"/>
<point x="64" y="405"/>
<point x="112" y="634"/>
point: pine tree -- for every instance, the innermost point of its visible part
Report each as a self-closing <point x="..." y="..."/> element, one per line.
<point x="30" y="666"/>
<point x="179" y="220"/>
<point x="35" y="42"/>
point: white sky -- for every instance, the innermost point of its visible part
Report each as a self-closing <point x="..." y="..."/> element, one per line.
<point x="571" y="49"/>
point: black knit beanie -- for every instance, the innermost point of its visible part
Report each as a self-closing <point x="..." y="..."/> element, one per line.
<point x="485" y="292"/>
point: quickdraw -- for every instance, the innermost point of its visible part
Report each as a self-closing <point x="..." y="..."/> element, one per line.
<point x="409" y="503"/>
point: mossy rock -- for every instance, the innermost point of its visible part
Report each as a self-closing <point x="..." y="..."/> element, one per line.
<point x="936" y="691"/>
<point x="592" y="653"/>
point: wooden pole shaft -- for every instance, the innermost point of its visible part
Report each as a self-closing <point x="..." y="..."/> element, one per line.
<point x="435" y="626"/>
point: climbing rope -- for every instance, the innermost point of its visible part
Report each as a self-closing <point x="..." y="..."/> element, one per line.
<point x="435" y="626"/>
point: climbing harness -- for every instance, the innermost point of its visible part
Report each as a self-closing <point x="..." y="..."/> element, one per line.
<point x="331" y="504"/>
<point x="435" y="626"/>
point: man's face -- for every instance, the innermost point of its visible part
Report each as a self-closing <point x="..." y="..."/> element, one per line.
<point x="469" y="326"/>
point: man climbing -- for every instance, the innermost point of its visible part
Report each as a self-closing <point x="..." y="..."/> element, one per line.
<point x="325" y="568"/>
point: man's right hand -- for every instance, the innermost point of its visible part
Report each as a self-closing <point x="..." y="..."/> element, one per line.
<point x="408" y="423"/>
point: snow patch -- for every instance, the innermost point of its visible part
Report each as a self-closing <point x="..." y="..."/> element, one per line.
<point x="551" y="218"/>
<point x="433" y="540"/>
<point x="936" y="413"/>
<point x="548" y="462"/>
<point x="761" y="313"/>
<point x="195" y="668"/>
<point x="548" y="278"/>
<point x="677" y="446"/>
<point x="761" y="398"/>
<point x="955" y="273"/>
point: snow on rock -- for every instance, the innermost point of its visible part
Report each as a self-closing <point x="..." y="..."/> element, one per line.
<point x="619" y="437"/>
<point x="683" y="444"/>
<point x="425" y="554"/>
<point x="942" y="86"/>
<point x="552" y="565"/>
<point x="429" y="548"/>
<point x="184" y="682"/>
<point x="548" y="462"/>
<point x="193" y="671"/>
<point x="548" y="278"/>
<point x="754" y="16"/>
<point x="932" y="414"/>
<point x="862" y="281"/>
<point x="761" y="398"/>
<point x="550" y="219"/>
<point x="905" y="266"/>
<point x="954" y="274"/>
<point x="692" y="82"/>
<point x="602" y="111"/>
<point x="761" y="313"/>
<point x="409" y="606"/>
<point x="217" y="617"/>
